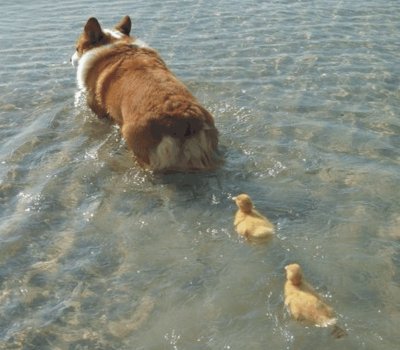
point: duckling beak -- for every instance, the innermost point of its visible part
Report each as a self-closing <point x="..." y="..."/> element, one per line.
<point x="234" y="198"/>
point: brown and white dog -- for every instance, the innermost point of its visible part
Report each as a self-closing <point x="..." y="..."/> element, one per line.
<point x="126" y="81"/>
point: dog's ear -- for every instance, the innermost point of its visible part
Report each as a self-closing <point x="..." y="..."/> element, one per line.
<point x="125" y="25"/>
<point x="93" y="30"/>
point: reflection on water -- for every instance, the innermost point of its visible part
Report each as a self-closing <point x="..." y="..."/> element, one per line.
<point x="96" y="253"/>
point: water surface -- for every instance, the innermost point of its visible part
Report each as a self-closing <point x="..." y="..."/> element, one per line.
<point x="97" y="254"/>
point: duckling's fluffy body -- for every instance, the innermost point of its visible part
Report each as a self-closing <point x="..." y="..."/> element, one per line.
<point x="249" y="222"/>
<point x="303" y="302"/>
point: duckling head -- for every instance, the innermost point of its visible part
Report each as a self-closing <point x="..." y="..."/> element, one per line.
<point x="244" y="203"/>
<point x="294" y="273"/>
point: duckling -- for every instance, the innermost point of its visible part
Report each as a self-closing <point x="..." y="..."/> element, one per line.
<point x="304" y="303"/>
<point x="249" y="222"/>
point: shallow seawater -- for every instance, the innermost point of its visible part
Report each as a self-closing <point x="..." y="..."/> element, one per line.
<point x="96" y="253"/>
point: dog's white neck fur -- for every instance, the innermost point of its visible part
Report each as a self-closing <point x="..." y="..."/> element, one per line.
<point x="85" y="62"/>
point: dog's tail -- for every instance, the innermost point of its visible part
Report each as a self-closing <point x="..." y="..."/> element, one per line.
<point x="184" y="140"/>
<point x="186" y="144"/>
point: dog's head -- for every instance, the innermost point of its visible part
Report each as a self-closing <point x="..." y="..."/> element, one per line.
<point x="94" y="36"/>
